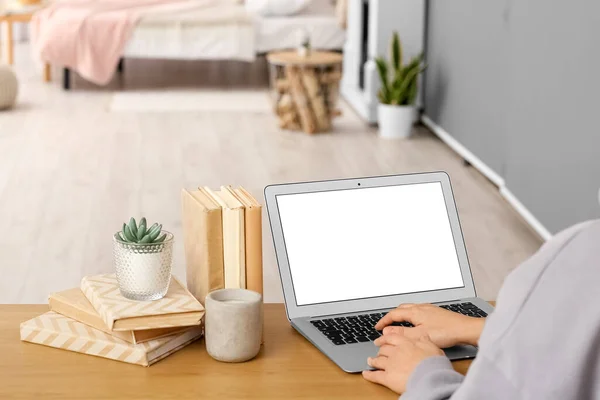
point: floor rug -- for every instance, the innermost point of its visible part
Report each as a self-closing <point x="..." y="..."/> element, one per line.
<point x="191" y="100"/>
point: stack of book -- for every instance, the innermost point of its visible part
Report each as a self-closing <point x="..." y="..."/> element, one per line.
<point x="223" y="240"/>
<point x="96" y="319"/>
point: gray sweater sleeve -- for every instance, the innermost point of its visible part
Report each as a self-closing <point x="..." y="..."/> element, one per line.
<point x="511" y="342"/>
<point x="435" y="379"/>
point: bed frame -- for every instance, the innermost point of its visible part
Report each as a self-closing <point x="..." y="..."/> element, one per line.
<point x="329" y="43"/>
<point x="66" y="76"/>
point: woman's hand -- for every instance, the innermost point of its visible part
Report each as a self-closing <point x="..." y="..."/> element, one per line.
<point x="444" y="328"/>
<point x="397" y="358"/>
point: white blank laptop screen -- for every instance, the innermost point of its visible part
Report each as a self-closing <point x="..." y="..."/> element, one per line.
<point x="368" y="242"/>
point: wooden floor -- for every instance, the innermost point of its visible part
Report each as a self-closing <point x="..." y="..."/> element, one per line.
<point x="71" y="172"/>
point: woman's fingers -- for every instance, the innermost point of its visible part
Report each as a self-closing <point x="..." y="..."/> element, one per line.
<point x="426" y="344"/>
<point x="406" y="305"/>
<point x="399" y="314"/>
<point x="393" y="340"/>
<point x="411" y="333"/>
<point x="378" y="362"/>
<point x="374" y="376"/>
<point x="393" y="330"/>
<point x="385" y="350"/>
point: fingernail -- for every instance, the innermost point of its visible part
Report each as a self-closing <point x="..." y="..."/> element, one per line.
<point x="369" y="361"/>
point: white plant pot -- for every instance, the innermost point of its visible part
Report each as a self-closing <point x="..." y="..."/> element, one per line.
<point x="395" y="122"/>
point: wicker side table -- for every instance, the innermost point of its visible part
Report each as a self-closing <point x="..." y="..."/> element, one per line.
<point x="305" y="89"/>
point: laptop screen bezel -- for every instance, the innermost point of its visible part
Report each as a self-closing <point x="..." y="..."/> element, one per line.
<point x="375" y="303"/>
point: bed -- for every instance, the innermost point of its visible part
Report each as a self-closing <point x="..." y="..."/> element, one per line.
<point x="179" y="37"/>
<point x="182" y="39"/>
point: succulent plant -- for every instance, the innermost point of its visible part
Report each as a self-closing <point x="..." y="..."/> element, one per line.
<point x="305" y="39"/>
<point x="398" y="83"/>
<point x="141" y="234"/>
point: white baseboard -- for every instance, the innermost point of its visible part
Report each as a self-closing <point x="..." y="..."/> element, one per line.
<point x="496" y="179"/>
<point x="463" y="151"/>
<point x="535" y="224"/>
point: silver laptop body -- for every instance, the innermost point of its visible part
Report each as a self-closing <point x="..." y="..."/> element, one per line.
<point x="350" y="248"/>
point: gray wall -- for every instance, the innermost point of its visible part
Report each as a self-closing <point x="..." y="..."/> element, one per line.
<point x="518" y="84"/>
<point x="466" y="87"/>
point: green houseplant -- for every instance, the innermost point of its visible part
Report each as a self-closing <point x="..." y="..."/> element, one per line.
<point x="143" y="260"/>
<point x="304" y="48"/>
<point x="399" y="89"/>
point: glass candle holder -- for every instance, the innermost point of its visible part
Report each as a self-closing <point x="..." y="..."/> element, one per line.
<point x="143" y="270"/>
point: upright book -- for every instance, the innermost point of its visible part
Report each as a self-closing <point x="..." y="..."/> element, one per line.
<point x="234" y="253"/>
<point x="178" y="308"/>
<point x="203" y="242"/>
<point x="253" y="240"/>
<point x="72" y="303"/>
<point x="56" y="330"/>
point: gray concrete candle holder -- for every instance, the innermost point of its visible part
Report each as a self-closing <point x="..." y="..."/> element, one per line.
<point x="233" y="324"/>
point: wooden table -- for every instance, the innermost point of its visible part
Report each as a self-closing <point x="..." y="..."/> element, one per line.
<point x="10" y="16"/>
<point x="306" y="89"/>
<point x="287" y="367"/>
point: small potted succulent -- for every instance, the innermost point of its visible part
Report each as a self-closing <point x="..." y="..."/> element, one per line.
<point x="143" y="260"/>
<point x="304" y="47"/>
<point x="399" y="88"/>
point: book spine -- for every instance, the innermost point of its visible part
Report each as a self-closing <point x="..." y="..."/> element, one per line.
<point x="69" y="339"/>
<point x="153" y="334"/>
<point x="194" y="223"/>
<point x="214" y="256"/>
<point x="254" y="256"/>
<point x="175" y="344"/>
<point x="203" y="243"/>
<point x="228" y="250"/>
<point x="234" y="257"/>
<point x="242" y="249"/>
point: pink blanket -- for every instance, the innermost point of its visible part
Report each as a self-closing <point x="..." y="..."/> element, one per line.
<point x="90" y="36"/>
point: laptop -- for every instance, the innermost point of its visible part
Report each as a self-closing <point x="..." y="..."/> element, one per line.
<point x="351" y="250"/>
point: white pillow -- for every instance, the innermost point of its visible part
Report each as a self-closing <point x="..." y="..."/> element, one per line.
<point x="271" y="8"/>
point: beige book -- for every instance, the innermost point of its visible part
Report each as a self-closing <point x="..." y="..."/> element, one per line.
<point x="56" y="330"/>
<point x="234" y="253"/>
<point x="253" y="239"/>
<point x="203" y="242"/>
<point x="72" y="303"/>
<point x="178" y="308"/>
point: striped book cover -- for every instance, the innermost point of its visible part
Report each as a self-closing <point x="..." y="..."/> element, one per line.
<point x="72" y="303"/>
<point x="56" y="330"/>
<point x="178" y="308"/>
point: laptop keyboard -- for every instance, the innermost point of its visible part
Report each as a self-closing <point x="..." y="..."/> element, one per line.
<point x="468" y="309"/>
<point x="361" y="328"/>
<point x="347" y="330"/>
